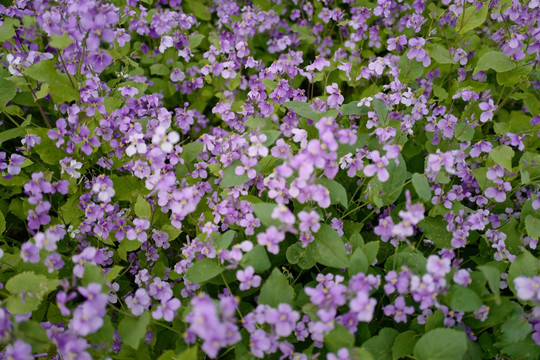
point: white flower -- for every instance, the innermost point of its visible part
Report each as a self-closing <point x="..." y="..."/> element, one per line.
<point x="165" y="140"/>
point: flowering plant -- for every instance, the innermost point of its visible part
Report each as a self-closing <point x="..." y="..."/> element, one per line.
<point x="345" y="179"/>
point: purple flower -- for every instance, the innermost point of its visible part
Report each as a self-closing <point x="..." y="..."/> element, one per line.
<point x="87" y="141"/>
<point x="438" y="267"/>
<point x="257" y="148"/>
<point x="248" y="279"/>
<point x="167" y="309"/>
<point x="281" y="150"/>
<point x="417" y="52"/>
<point x="138" y="232"/>
<point x="399" y="310"/>
<point x="247" y="164"/>
<point x="335" y="99"/>
<point x="19" y="350"/>
<point x="160" y="290"/>
<point x="309" y="221"/>
<point x="284" y="214"/>
<point x="527" y="289"/>
<point x="138" y="302"/>
<point x="460" y="56"/>
<point x="259" y="343"/>
<point x="363" y="306"/>
<point x="462" y="277"/>
<point x="271" y="239"/>
<point x="14" y="164"/>
<point x="86" y="320"/>
<point x="319" y="64"/>
<point x="283" y="318"/>
<point x="487" y="110"/>
<point x="480" y="147"/>
<point x="342" y="354"/>
<point x="337" y="225"/>
<point x="54" y="262"/>
<point x="378" y="167"/>
<point x="498" y="193"/>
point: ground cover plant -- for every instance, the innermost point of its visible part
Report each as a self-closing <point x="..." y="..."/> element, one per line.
<point x="269" y="179"/>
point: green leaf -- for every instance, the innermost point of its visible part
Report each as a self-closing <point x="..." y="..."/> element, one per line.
<point x="276" y="290"/>
<point x="12" y="134"/>
<point x="142" y="208"/>
<point x="15" y="304"/>
<point x="463" y="132"/>
<point x="303" y="109"/>
<point x="502" y="155"/>
<point x="461" y="298"/>
<point x="381" y="110"/>
<point x="441" y="344"/>
<point x="224" y="240"/>
<point x="513" y="77"/>
<point x="133" y="330"/>
<point x="34" y="334"/>
<point x="93" y="274"/>
<point x="352" y="108"/>
<point x="7" y="91"/>
<point x="255" y="123"/>
<point x="203" y="270"/>
<point x="126" y="187"/>
<point x="2" y="223"/>
<point x="532" y="224"/>
<point x="171" y="231"/>
<point x="409" y="70"/>
<point x="47" y="150"/>
<point x="471" y="18"/>
<point x="271" y="136"/>
<point x="404" y="344"/>
<point x="393" y="187"/>
<point x="304" y="34"/>
<point x="113" y="273"/>
<point x="435" y="230"/>
<point x="30" y="282"/>
<point x="362" y="354"/>
<point x="440" y="54"/>
<point x="263" y="211"/>
<point x="61" y="88"/>
<point x="6" y="30"/>
<point x="258" y="258"/>
<point x="359" y="262"/>
<point x="303" y="257"/>
<point x="60" y="42"/>
<point x="189" y="354"/>
<point x="28" y="289"/>
<point x="412" y="259"/>
<point x="230" y="179"/>
<point x="43" y="91"/>
<point x="329" y="248"/>
<point x="492" y="275"/>
<point x="192" y="150"/>
<point x="338" y="194"/>
<point x="421" y="186"/>
<point x="129" y="245"/>
<point x="516" y="328"/>
<point x="371" y="249"/>
<point x="199" y="10"/>
<point x="380" y="346"/>
<point x="525" y="264"/>
<point x="494" y="60"/>
<point x="195" y="40"/>
<point x="439" y="92"/>
<point x="159" y="69"/>
<point x="339" y="338"/>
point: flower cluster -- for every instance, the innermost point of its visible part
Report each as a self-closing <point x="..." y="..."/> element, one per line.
<point x="269" y="179"/>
